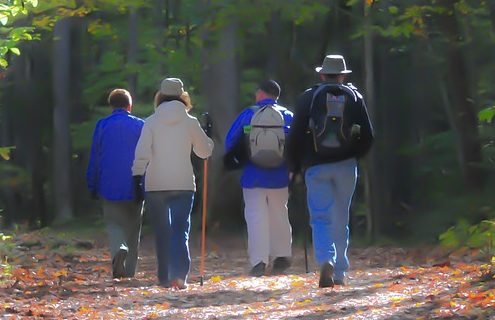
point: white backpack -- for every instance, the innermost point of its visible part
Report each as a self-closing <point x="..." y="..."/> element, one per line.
<point x="266" y="141"/>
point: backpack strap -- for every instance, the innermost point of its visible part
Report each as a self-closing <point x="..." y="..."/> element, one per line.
<point x="349" y="88"/>
<point x="256" y="109"/>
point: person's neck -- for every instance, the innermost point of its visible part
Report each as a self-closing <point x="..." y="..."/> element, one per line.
<point x="121" y="110"/>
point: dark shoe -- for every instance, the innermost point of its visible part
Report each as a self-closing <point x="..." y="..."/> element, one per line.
<point x="280" y="264"/>
<point x="118" y="263"/>
<point x="258" y="270"/>
<point x="340" y="282"/>
<point x="326" y="275"/>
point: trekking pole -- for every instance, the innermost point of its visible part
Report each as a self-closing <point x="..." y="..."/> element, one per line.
<point x="203" y="221"/>
<point x="306" y="248"/>
<point x="207" y="128"/>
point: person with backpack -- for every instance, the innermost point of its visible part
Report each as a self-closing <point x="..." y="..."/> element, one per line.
<point x="163" y="155"/>
<point x="262" y="130"/>
<point x="109" y="177"/>
<point x="330" y="131"/>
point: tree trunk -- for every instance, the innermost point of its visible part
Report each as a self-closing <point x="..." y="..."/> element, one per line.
<point x="373" y="185"/>
<point x="132" y="51"/>
<point x="275" y="50"/>
<point x="61" y="122"/>
<point x="465" y="117"/>
<point x="220" y="77"/>
<point x="37" y="214"/>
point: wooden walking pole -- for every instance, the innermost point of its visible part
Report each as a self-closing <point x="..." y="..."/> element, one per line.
<point x="203" y="221"/>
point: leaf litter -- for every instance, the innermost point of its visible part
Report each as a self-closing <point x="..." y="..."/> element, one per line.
<point x="384" y="283"/>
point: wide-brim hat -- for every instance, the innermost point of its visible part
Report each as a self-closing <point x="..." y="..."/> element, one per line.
<point x="333" y="64"/>
<point x="172" y="87"/>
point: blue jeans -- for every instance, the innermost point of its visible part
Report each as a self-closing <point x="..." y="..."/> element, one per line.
<point x="170" y="213"/>
<point x="330" y="188"/>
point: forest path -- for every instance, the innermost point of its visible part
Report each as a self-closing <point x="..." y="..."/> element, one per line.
<point x="384" y="283"/>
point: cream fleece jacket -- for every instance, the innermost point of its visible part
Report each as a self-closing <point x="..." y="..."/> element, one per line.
<point x="163" y="151"/>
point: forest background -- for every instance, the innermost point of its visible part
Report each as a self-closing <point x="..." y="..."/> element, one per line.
<point x="425" y="68"/>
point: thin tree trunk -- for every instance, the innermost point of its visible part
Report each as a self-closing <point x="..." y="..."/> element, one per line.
<point x="32" y="139"/>
<point x="61" y="122"/>
<point x="274" y="44"/>
<point x="465" y="118"/>
<point x="132" y="50"/>
<point x="373" y="185"/>
<point x="220" y="77"/>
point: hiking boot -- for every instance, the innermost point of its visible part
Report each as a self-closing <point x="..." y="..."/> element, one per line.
<point x="258" y="270"/>
<point x="118" y="263"/>
<point x="280" y="264"/>
<point x="326" y="275"/>
<point x="340" y="282"/>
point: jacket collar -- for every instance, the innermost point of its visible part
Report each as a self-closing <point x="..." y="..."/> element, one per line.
<point x="265" y="102"/>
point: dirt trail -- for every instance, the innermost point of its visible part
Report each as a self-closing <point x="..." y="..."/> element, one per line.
<point x="384" y="283"/>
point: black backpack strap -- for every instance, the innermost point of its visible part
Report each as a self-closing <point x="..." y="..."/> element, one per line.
<point x="318" y="89"/>
<point x="349" y="89"/>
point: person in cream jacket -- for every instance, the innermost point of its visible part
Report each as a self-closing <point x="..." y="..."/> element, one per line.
<point x="163" y="156"/>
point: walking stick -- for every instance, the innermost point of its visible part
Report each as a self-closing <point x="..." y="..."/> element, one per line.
<point x="207" y="128"/>
<point x="306" y="249"/>
<point x="203" y="221"/>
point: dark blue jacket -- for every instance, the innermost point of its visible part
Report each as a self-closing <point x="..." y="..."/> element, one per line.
<point x="252" y="175"/>
<point x="112" y="153"/>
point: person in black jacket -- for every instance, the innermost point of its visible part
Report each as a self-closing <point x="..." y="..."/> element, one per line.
<point x="329" y="132"/>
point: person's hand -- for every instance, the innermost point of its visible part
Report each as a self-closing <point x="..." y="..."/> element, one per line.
<point x="207" y="130"/>
<point x="138" y="189"/>
<point x="207" y="124"/>
<point x="355" y="131"/>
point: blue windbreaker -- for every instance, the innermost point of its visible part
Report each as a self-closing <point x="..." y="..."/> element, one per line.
<point x="112" y="153"/>
<point x="252" y="175"/>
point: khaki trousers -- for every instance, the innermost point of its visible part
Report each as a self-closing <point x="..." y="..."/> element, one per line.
<point x="267" y="219"/>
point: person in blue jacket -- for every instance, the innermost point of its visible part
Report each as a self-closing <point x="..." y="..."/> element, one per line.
<point x="109" y="177"/>
<point x="265" y="192"/>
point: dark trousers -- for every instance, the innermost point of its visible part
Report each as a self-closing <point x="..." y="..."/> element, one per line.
<point x="123" y="222"/>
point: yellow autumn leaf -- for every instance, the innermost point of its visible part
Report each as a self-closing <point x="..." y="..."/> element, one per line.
<point x="152" y="315"/>
<point x="84" y="310"/>
<point x="297" y="283"/>
<point x="378" y="285"/>
<point x="216" y="279"/>
<point x="5" y="153"/>
<point x="306" y="301"/>
<point x="397" y="299"/>
<point x="61" y="273"/>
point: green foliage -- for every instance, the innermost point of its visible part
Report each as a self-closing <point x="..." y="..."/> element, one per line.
<point x="11" y="36"/>
<point x="487" y="114"/>
<point x="13" y="176"/>
<point x="7" y="246"/>
<point x="478" y="236"/>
